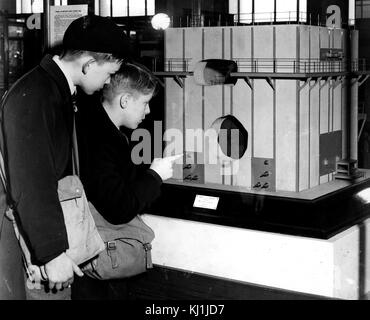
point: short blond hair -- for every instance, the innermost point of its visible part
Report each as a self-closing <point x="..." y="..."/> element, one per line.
<point x="131" y="78"/>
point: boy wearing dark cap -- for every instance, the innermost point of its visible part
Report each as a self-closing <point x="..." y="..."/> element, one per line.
<point x="37" y="121"/>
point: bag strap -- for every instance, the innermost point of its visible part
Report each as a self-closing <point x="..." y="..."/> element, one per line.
<point x="75" y="156"/>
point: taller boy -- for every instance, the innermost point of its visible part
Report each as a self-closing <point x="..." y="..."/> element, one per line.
<point x="37" y="128"/>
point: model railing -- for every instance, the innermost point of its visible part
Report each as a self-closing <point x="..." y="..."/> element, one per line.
<point x="287" y="17"/>
<point x="290" y="65"/>
<point x="271" y="17"/>
<point x="282" y="65"/>
<point x="361" y="65"/>
<point x="177" y="64"/>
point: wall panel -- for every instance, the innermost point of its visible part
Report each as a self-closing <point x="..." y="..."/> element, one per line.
<point x="304" y="138"/>
<point x="242" y="105"/>
<point x="263" y="46"/>
<point x="286" y="135"/>
<point x="285" y="48"/>
<point x="314" y="135"/>
<point x="242" y="46"/>
<point x="263" y="112"/>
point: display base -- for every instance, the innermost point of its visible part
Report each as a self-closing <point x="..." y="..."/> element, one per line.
<point x="321" y="212"/>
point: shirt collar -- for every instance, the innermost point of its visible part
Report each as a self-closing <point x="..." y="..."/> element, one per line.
<point x="72" y="87"/>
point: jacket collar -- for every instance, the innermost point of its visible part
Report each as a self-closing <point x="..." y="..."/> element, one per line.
<point x="49" y="65"/>
<point x="71" y="85"/>
<point x="106" y="123"/>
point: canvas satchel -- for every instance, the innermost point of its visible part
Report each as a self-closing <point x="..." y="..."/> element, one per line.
<point x="83" y="237"/>
<point x="127" y="249"/>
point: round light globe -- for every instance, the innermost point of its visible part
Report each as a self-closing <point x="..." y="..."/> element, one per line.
<point x="161" y="21"/>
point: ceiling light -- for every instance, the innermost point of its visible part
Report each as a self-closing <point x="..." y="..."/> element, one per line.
<point x="161" y="21"/>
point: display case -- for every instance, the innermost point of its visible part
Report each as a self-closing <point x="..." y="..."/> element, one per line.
<point x="280" y="96"/>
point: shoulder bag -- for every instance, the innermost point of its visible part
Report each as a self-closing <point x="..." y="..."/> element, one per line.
<point x="127" y="249"/>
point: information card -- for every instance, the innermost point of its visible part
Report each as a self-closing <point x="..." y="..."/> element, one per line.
<point x="206" y="202"/>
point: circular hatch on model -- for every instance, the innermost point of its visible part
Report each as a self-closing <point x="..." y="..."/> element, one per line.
<point x="232" y="138"/>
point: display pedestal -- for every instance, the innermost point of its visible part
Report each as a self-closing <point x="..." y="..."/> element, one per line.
<point x="337" y="267"/>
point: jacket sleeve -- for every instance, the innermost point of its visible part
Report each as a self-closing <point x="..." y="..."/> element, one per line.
<point x="117" y="198"/>
<point x="29" y="134"/>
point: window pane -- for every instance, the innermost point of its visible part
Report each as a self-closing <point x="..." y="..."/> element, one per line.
<point x="105" y="9"/>
<point x="246" y="11"/>
<point x="366" y="11"/>
<point x="246" y="6"/>
<point x="286" y="10"/>
<point x="19" y="6"/>
<point x="358" y="12"/>
<point x="351" y="12"/>
<point x="233" y="6"/>
<point x="151" y="7"/>
<point x="302" y="10"/>
<point x="26" y="6"/>
<point x="119" y="8"/>
<point x="137" y="7"/>
<point x="264" y="10"/>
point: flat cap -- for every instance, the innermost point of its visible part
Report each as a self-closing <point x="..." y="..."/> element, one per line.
<point x="97" y="34"/>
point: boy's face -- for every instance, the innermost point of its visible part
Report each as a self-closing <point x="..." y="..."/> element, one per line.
<point x="96" y="75"/>
<point x="134" y="109"/>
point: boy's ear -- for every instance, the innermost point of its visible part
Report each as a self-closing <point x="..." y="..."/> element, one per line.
<point x="86" y="66"/>
<point x="123" y="100"/>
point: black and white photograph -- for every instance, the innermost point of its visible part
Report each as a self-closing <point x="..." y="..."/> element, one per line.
<point x="182" y="156"/>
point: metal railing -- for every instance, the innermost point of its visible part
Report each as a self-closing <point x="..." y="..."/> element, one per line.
<point x="271" y="17"/>
<point x="176" y="64"/>
<point x="361" y="65"/>
<point x="287" y="17"/>
<point x="290" y="65"/>
<point x="282" y="65"/>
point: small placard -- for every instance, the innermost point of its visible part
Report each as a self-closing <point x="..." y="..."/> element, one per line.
<point x="206" y="202"/>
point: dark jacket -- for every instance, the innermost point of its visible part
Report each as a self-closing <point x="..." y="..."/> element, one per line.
<point x="37" y="127"/>
<point x="117" y="188"/>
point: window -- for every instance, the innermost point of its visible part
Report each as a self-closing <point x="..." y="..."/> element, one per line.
<point x="119" y="8"/>
<point x="302" y="14"/>
<point x="116" y="8"/>
<point x="268" y="10"/>
<point x="247" y="11"/>
<point x="351" y="12"/>
<point x="362" y="9"/>
<point x="246" y="8"/>
<point x="124" y="8"/>
<point x="264" y="10"/>
<point x="286" y="10"/>
<point x="35" y="6"/>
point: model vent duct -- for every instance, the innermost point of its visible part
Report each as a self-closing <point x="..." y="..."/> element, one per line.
<point x="215" y="72"/>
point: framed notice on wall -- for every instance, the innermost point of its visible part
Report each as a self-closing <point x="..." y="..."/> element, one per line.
<point x="60" y="18"/>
